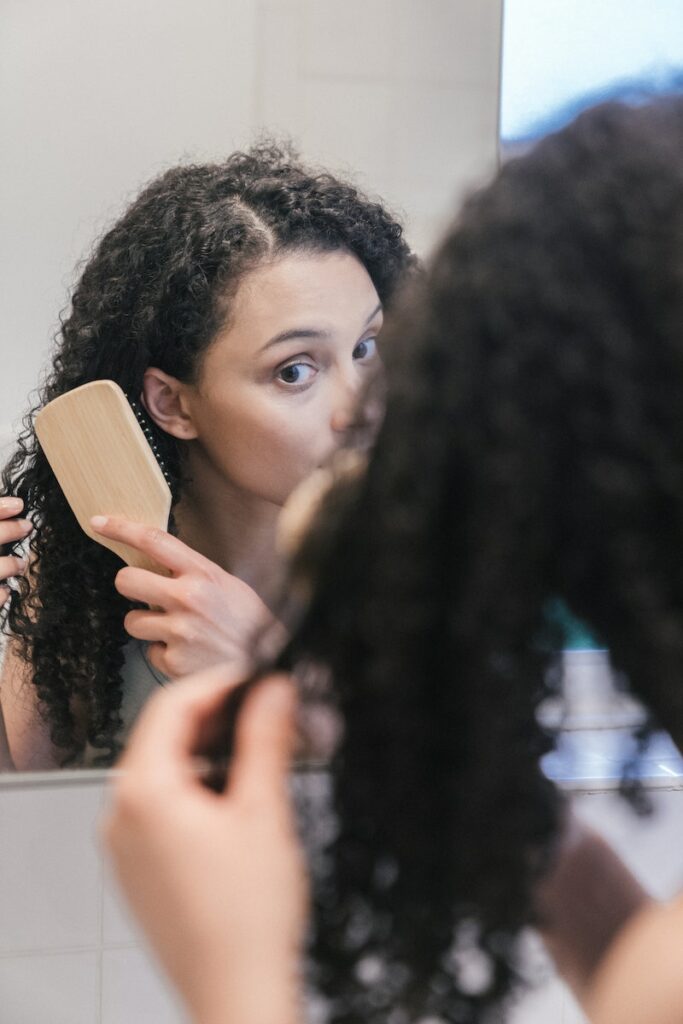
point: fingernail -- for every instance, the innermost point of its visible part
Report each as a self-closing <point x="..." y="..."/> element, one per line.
<point x="97" y="522"/>
<point x="26" y="525"/>
<point x="11" y="504"/>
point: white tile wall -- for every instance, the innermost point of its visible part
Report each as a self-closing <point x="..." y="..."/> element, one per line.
<point x="118" y="927"/>
<point x="462" y="51"/>
<point x="50" y="988"/>
<point x="69" y="953"/>
<point x="354" y="40"/>
<point x="50" y="875"/>
<point x="403" y="94"/>
<point x="6" y="439"/>
<point x="349" y="118"/>
<point x="133" y="991"/>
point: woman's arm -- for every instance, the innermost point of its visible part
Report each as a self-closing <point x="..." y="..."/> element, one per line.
<point x="640" y="981"/>
<point x="27" y="734"/>
<point x="217" y="880"/>
<point x="584" y="903"/>
<point x="6" y="762"/>
<point x="24" y="736"/>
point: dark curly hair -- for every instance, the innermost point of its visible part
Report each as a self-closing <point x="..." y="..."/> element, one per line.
<point x="154" y="293"/>
<point x="531" y="451"/>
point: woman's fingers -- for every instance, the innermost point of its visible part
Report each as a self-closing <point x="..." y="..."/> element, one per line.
<point x="264" y="740"/>
<point x="12" y="530"/>
<point x="158" y="544"/>
<point x="142" y="585"/>
<point x="12" y="565"/>
<point x="150" y="626"/>
<point x="10" y="507"/>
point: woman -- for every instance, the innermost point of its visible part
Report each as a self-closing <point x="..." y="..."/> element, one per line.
<point x="239" y="304"/>
<point x="532" y="450"/>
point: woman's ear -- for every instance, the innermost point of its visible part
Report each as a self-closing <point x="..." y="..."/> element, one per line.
<point x="164" y="398"/>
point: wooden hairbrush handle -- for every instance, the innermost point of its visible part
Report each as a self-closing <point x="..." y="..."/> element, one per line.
<point x="103" y="463"/>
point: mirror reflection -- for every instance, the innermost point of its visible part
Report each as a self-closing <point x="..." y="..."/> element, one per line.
<point x="240" y="305"/>
<point x="233" y="289"/>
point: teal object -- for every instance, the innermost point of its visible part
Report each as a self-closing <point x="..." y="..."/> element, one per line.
<point x="577" y="635"/>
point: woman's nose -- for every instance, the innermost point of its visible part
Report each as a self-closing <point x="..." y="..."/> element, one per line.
<point x="342" y="418"/>
<point x="345" y="405"/>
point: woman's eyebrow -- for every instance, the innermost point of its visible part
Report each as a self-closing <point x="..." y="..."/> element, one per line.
<point x="376" y="310"/>
<point x="295" y="332"/>
<point x="310" y="332"/>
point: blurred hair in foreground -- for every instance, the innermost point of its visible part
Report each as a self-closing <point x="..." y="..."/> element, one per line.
<point x="531" y="451"/>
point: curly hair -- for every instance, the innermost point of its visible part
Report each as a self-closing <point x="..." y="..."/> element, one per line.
<point x="531" y="452"/>
<point x="154" y="293"/>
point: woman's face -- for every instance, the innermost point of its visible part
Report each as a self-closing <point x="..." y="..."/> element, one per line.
<point x="277" y="387"/>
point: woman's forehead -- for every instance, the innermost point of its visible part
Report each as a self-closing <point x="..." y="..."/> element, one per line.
<point x="317" y="291"/>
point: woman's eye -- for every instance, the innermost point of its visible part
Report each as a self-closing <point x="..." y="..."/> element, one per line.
<point x="296" y="373"/>
<point x="365" y="349"/>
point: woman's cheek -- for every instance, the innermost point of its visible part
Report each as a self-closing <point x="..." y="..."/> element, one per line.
<point x="269" y="449"/>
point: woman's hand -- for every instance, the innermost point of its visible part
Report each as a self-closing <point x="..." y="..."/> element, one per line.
<point x="12" y="529"/>
<point x="200" y="615"/>
<point x="217" y="881"/>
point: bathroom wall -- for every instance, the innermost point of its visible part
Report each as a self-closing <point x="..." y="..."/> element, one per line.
<point x="69" y="954"/>
<point x="96" y="97"/>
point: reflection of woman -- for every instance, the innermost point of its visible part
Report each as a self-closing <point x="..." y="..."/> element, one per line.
<point x="242" y="301"/>
<point x="542" y="367"/>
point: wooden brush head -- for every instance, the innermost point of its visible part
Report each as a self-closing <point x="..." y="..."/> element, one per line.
<point x="103" y="462"/>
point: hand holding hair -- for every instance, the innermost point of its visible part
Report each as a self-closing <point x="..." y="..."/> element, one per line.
<point x="217" y="880"/>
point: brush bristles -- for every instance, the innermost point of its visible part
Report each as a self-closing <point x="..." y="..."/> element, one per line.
<point x="143" y="419"/>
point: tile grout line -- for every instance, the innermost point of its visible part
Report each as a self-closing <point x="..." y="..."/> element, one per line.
<point x="49" y="951"/>
<point x="100" y="953"/>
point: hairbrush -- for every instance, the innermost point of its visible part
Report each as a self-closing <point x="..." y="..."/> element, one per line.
<point x="106" y="462"/>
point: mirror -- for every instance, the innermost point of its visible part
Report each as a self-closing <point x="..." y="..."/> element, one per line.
<point x="101" y="98"/>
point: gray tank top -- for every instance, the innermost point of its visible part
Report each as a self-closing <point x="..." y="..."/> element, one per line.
<point x="140" y="681"/>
